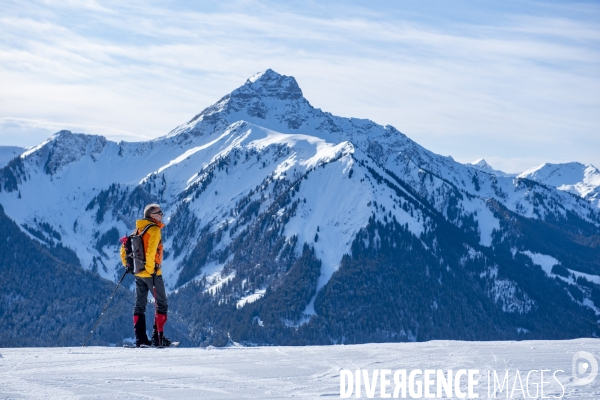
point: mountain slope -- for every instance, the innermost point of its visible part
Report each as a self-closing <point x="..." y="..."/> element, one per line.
<point x="582" y="180"/>
<point x="286" y="224"/>
<point x="47" y="302"/>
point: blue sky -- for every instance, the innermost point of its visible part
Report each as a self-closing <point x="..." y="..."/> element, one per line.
<point x="515" y="82"/>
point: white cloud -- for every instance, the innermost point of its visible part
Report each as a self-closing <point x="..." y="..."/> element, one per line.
<point x="27" y="132"/>
<point x="524" y="84"/>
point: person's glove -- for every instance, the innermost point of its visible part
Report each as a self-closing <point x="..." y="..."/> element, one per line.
<point x="129" y="269"/>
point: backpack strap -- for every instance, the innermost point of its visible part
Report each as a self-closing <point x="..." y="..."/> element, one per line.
<point x="142" y="234"/>
<point x="146" y="228"/>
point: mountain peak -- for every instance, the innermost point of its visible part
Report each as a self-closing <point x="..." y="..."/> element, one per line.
<point x="267" y="74"/>
<point x="265" y="95"/>
<point x="63" y="132"/>
<point x="565" y="174"/>
<point x="481" y="163"/>
<point x="271" y="84"/>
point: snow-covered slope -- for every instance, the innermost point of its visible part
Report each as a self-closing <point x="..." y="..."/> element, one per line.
<point x="274" y="101"/>
<point x="582" y="180"/>
<point x="55" y="181"/>
<point x="307" y="372"/>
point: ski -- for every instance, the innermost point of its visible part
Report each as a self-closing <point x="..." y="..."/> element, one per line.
<point x="133" y="346"/>
<point x="173" y="344"/>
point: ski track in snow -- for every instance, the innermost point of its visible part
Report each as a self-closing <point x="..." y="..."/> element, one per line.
<point x="309" y="372"/>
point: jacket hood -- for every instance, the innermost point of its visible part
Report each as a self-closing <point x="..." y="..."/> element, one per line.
<point x="142" y="223"/>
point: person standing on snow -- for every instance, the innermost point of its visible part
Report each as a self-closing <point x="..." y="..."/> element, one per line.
<point x="150" y="279"/>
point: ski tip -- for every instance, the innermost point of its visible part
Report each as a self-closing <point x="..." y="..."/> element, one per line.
<point x="173" y="344"/>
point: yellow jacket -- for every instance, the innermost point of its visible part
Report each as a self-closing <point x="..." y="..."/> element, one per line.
<point x="153" y="246"/>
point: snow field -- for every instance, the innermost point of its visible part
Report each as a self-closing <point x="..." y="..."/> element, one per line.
<point x="547" y="262"/>
<point x="310" y="372"/>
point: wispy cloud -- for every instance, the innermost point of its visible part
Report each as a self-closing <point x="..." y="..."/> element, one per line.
<point x="27" y="132"/>
<point x="526" y="82"/>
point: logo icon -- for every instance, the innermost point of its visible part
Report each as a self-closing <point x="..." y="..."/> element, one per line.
<point x="584" y="368"/>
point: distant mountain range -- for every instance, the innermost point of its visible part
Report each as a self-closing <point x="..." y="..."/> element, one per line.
<point x="288" y="225"/>
<point x="483" y="166"/>
<point x="579" y="179"/>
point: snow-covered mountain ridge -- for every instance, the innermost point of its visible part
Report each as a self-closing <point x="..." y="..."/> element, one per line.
<point x="582" y="180"/>
<point x="483" y="166"/>
<point x="263" y="191"/>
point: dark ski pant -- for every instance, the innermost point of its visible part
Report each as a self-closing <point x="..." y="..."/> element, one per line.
<point x="142" y="286"/>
